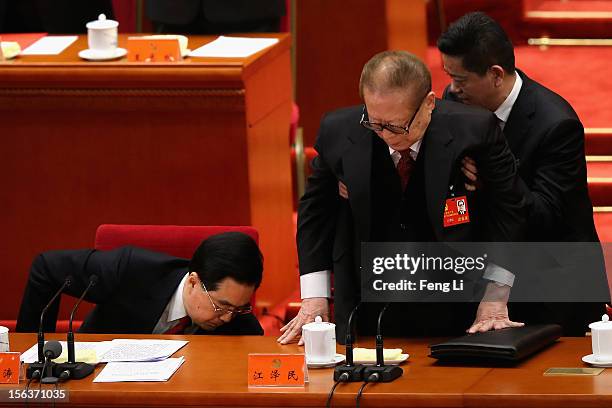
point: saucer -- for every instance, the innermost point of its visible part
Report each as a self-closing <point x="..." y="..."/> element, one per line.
<point x="590" y="359"/>
<point x="400" y="359"/>
<point x="92" y="55"/>
<point x="337" y="360"/>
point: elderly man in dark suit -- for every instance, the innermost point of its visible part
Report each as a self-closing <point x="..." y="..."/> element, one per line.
<point x="398" y="157"/>
<point x="545" y="135"/>
<point x="140" y="291"/>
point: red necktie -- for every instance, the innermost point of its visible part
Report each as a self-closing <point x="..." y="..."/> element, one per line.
<point x="405" y="165"/>
<point x="179" y="327"/>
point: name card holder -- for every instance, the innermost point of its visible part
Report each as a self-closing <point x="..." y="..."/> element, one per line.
<point x="277" y="370"/>
<point x="153" y="50"/>
<point x="10" y="366"/>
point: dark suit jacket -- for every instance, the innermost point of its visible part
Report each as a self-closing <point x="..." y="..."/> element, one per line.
<point x="547" y="139"/>
<point x="330" y="229"/>
<point x="53" y="17"/>
<point x="216" y="11"/>
<point x="134" y="287"/>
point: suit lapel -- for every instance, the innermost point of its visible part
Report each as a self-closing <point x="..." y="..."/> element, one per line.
<point x="519" y="121"/>
<point x="357" y="166"/>
<point x="439" y="158"/>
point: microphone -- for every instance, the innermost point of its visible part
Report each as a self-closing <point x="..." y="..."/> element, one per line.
<point x="33" y="367"/>
<point x="71" y="368"/>
<point x="53" y="349"/>
<point x="349" y="372"/>
<point x="381" y="372"/>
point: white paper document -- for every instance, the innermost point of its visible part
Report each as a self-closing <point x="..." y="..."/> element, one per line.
<point x="141" y="350"/>
<point x="85" y="351"/>
<point x="50" y="45"/>
<point x="233" y="47"/>
<point x="139" y="371"/>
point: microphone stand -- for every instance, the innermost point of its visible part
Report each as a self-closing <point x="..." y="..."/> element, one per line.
<point x="72" y="368"/>
<point x="349" y="372"/>
<point x="381" y="372"/>
<point x="35" y="370"/>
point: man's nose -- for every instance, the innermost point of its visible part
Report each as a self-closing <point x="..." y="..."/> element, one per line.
<point x="226" y="317"/>
<point x="454" y="88"/>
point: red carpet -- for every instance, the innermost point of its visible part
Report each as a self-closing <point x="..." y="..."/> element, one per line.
<point x="582" y="75"/>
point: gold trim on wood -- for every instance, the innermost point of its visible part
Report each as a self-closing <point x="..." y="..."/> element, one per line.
<point x="593" y="159"/>
<point x="602" y="209"/>
<point x="569" y="14"/>
<point x="119" y="92"/>
<point x="599" y="179"/>
<point x="597" y="131"/>
<point x="584" y="42"/>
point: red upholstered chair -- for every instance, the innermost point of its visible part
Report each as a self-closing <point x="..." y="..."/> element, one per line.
<point x="180" y="241"/>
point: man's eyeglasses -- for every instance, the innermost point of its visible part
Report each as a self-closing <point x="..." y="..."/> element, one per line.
<point x="220" y="311"/>
<point x="379" y="127"/>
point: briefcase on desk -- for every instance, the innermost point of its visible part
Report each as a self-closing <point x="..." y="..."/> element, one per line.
<point x="505" y="345"/>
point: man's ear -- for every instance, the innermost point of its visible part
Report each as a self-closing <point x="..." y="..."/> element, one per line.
<point x="430" y="101"/>
<point x="498" y="74"/>
<point x="193" y="280"/>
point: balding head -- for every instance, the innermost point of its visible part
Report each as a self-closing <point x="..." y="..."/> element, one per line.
<point x="392" y="71"/>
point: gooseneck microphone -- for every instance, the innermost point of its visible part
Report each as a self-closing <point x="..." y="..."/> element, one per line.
<point x="38" y="366"/>
<point x="381" y="372"/>
<point x="349" y="372"/>
<point x="71" y="368"/>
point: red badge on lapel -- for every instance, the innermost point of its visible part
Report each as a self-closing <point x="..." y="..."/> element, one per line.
<point x="456" y="211"/>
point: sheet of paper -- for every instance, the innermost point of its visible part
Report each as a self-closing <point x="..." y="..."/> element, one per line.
<point x="140" y="371"/>
<point x="51" y="45"/>
<point x="233" y="47"/>
<point x="141" y="350"/>
<point x="85" y="351"/>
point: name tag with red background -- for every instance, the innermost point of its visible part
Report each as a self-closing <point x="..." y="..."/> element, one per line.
<point x="456" y="211"/>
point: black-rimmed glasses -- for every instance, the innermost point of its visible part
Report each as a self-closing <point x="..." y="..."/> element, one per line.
<point x="222" y="311"/>
<point x="379" y="127"/>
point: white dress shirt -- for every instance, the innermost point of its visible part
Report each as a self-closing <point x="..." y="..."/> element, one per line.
<point x="174" y="311"/>
<point x="503" y="112"/>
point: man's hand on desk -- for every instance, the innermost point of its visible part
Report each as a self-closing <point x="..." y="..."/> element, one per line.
<point x="492" y="312"/>
<point x="311" y="308"/>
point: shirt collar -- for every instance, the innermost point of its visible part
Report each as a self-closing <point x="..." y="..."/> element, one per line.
<point x="503" y="112"/>
<point x="414" y="149"/>
<point x="177" y="308"/>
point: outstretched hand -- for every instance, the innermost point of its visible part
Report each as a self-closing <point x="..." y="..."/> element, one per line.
<point x="311" y="308"/>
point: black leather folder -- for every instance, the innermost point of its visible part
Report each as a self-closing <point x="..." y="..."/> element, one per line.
<point x="509" y="345"/>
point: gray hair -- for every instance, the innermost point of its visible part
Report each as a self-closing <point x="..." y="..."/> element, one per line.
<point x="395" y="70"/>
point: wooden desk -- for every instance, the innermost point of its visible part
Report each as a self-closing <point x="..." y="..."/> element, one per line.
<point x="197" y="142"/>
<point x="214" y="374"/>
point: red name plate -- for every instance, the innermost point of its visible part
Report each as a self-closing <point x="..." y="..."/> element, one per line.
<point x="153" y="50"/>
<point x="277" y="370"/>
<point x="9" y="368"/>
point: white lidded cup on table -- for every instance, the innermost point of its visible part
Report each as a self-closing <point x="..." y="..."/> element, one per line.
<point x="601" y="339"/>
<point x="319" y="341"/>
<point x="102" y="35"/>
<point x="4" y="339"/>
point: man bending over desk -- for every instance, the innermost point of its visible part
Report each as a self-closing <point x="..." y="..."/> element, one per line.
<point x="144" y="292"/>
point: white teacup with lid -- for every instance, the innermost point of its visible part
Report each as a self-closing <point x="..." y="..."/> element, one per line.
<point x="601" y="339"/>
<point x="319" y="341"/>
<point x="102" y="35"/>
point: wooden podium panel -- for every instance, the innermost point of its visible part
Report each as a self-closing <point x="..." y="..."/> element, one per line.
<point x="215" y="375"/>
<point x="197" y="142"/>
